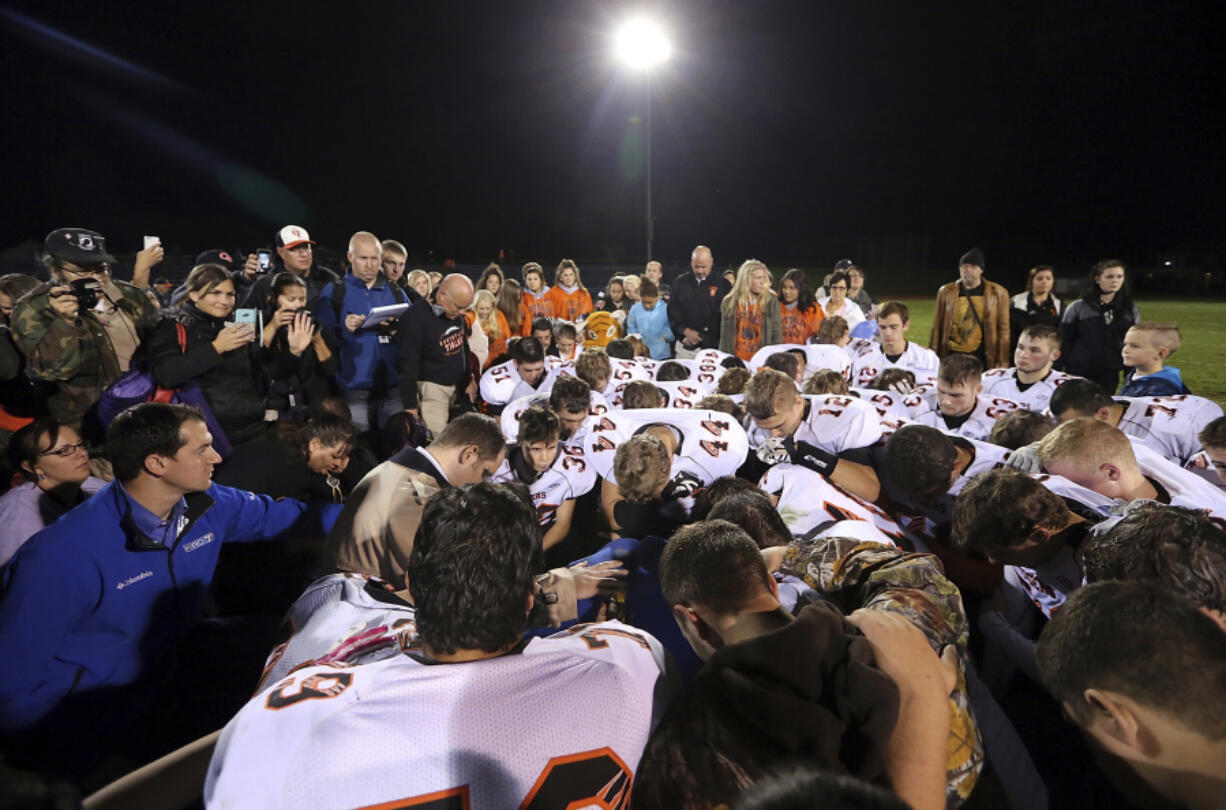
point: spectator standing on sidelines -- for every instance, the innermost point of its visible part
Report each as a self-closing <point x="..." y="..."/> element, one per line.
<point x="837" y="303"/>
<point x="694" y="309"/>
<point x="536" y="301"/>
<point x="749" y="313"/>
<point x="294" y="249"/>
<point x="82" y="349"/>
<point x="434" y="363"/>
<point x="369" y="356"/>
<point x="569" y="298"/>
<point x="800" y="316"/>
<point x="1038" y="305"/>
<point x="654" y="271"/>
<point x="215" y="351"/>
<point x="649" y="318"/>
<point x="1094" y="326"/>
<point x="972" y="315"/>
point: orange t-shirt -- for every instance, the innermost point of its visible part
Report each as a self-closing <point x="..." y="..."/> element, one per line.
<point x="748" y="331"/>
<point x="532" y="307"/>
<point x="498" y="345"/>
<point x="799" y="324"/>
<point x="571" y="306"/>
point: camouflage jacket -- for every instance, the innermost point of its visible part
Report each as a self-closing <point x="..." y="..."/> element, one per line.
<point x="854" y="574"/>
<point x="76" y="354"/>
<point x="10" y="358"/>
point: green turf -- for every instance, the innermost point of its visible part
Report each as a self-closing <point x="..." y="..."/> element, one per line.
<point x="1201" y="360"/>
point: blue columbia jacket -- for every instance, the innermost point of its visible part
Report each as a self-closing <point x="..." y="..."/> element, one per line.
<point x="369" y="357"/>
<point x="92" y="609"/>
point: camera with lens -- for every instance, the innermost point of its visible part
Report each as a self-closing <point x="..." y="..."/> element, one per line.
<point x="87" y="291"/>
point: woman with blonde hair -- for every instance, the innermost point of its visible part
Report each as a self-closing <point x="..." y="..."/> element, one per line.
<point x="419" y="282"/>
<point x="749" y="315"/>
<point x="570" y="299"/>
<point x="493" y="323"/>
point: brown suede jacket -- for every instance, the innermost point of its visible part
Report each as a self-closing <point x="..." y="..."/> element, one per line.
<point x="996" y="340"/>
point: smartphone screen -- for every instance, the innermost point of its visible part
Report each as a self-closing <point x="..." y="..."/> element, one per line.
<point x="264" y="257"/>
<point x="150" y="241"/>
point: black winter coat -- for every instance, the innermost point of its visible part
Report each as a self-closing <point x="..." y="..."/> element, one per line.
<point x="233" y="383"/>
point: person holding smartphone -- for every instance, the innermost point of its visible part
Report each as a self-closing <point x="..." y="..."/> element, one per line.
<point x="300" y="363"/>
<point x="217" y="353"/>
<point x="295" y="254"/>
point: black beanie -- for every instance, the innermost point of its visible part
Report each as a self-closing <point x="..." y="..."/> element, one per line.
<point x="973" y="256"/>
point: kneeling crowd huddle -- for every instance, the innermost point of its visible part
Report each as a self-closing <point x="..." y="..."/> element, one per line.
<point x="574" y="572"/>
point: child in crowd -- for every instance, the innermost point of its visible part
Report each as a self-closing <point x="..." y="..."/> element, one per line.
<point x="1146" y="347"/>
<point x="649" y="318"/>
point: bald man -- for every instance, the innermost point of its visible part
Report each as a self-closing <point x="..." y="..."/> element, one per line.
<point x="434" y="360"/>
<point x="369" y="354"/>
<point x="693" y="308"/>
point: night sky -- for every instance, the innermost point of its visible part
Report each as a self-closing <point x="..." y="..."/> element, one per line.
<point x="797" y="132"/>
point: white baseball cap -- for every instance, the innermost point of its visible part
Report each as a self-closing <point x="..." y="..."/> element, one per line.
<point x="292" y="236"/>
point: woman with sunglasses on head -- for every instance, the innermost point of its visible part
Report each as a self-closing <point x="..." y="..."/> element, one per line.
<point x="55" y="463"/>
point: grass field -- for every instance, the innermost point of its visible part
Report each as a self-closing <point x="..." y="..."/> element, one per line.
<point x="1201" y="360"/>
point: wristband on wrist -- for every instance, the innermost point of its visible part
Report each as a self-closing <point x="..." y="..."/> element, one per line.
<point x="815" y="458"/>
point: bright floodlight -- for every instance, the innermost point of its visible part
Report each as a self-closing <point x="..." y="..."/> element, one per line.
<point x="642" y="44"/>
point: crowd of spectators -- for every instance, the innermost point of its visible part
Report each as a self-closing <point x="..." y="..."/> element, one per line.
<point x="388" y="537"/>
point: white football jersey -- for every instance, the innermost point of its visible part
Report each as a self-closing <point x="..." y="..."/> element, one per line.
<point x="921" y="361"/>
<point x="832" y="422"/>
<point x="570" y="477"/>
<point x="979" y="426"/>
<point x="858" y="347"/>
<point x="331" y="610"/>
<point x="711" y="356"/>
<point x="807" y="500"/>
<point x="1169" y="424"/>
<point x="1050" y="584"/>
<point x="501" y="384"/>
<point x="500" y="732"/>
<point x="1079" y="499"/>
<point x="1183" y="487"/>
<point x="509" y="419"/>
<point x="890" y="405"/>
<point x="628" y="369"/>
<point x="684" y="394"/>
<point x="712" y="445"/>
<point x="818" y="356"/>
<point x="1003" y="382"/>
<point x="706" y="372"/>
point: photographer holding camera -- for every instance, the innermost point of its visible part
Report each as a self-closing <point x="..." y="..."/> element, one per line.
<point x="81" y="329"/>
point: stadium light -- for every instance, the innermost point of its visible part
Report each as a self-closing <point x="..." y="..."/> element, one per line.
<point x="641" y="45"/>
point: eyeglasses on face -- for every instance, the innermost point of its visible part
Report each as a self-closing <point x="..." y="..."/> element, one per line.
<point x="65" y="451"/>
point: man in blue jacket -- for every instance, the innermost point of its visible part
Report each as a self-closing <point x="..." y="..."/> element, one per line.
<point x="95" y="606"/>
<point x="369" y="358"/>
